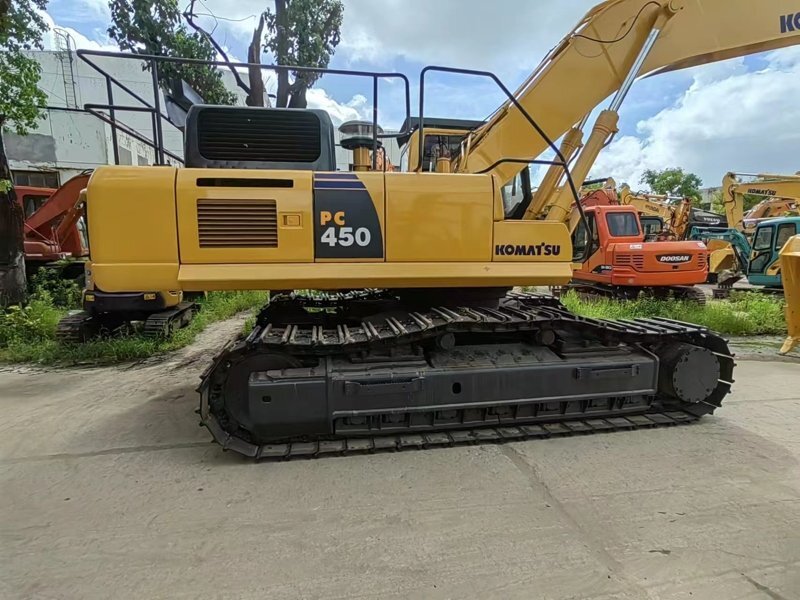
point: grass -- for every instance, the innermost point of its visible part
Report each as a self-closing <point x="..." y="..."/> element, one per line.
<point x="745" y="313"/>
<point x="28" y="334"/>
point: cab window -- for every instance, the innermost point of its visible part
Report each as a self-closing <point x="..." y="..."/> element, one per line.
<point x="437" y="146"/>
<point x="33" y="203"/>
<point x="785" y="231"/>
<point x="585" y="243"/>
<point x="763" y="239"/>
<point x="652" y="226"/>
<point x="517" y="195"/>
<point x="622" y="224"/>
<point x="404" y="159"/>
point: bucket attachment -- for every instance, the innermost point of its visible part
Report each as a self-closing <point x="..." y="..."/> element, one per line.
<point x="790" y="272"/>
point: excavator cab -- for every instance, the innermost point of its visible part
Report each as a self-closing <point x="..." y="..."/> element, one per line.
<point x="621" y="259"/>
<point x="770" y="236"/>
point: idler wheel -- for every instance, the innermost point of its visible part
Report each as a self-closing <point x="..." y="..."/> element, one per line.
<point x="688" y="373"/>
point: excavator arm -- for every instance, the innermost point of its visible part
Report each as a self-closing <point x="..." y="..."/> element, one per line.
<point x="613" y="44"/>
<point x="774" y="188"/>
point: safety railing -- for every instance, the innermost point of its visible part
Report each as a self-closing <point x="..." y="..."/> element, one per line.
<point x="560" y="160"/>
<point x="107" y="112"/>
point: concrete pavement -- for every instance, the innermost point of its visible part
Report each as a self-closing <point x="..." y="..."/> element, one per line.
<point x="110" y="490"/>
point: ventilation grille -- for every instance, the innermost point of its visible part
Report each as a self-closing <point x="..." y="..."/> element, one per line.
<point x="259" y="136"/>
<point x="701" y="261"/>
<point x="237" y="223"/>
<point x="630" y="260"/>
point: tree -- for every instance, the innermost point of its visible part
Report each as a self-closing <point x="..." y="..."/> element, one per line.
<point x="674" y="182"/>
<point x="155" y="27"/>
<point x="21" y="102"/>
<point x="13" y="286"/>
<point x="255" y="88"/>
<point x="21" y="29"/>
<point x="303" y="33"/>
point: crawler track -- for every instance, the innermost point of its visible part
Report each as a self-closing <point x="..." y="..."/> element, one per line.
<point x="314" y="336"/>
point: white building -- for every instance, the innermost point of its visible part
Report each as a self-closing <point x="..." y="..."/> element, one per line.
<point x="69" y="140"/>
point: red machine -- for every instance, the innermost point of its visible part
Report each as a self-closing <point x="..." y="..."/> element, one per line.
<point x="622" y="264"/>
<point x="52" y="219"/>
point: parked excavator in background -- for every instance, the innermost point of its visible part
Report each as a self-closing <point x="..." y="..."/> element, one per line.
<point x="629" y="253"/>
<point x="446" y="353"/>
<point x="55" y="231"/>
<point x="676" y="216"/>
<point x="733" y="249"/>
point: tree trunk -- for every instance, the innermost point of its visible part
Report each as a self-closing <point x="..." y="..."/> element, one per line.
<point x="256" y="96"/>
<point x="282" y="98"/>
<point x="298" y="98"/>
<point x="13" y="287"/>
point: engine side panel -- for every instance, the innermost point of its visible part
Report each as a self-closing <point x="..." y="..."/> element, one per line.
<point x="244" y="216"/>
<point x="133" y="234"/>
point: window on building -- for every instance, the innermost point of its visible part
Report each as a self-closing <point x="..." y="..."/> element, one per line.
<point x="42" y="179"/>
<point x="142" y="160"/>
<point x="125" y="156"/>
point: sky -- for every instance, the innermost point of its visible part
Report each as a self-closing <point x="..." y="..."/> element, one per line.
<point x="737" y="115"/>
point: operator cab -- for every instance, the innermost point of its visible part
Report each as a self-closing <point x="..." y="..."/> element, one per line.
<point x="443" y="138"/>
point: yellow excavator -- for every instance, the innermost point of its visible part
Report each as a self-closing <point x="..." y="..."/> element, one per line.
<point x="669" y="217"/>
<point x="731" y="245"/>
<point x="413" y="337"/>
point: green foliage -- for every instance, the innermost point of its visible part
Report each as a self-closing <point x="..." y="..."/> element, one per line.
<point x="21" y="29"/>
<point x="154" y="27"/>
<point x="746" y="313"/>
<point x="750" y="200"/>
<point x="49" y="283"/>
<point x="28" y="335"/>
<point x="31" y="325"/>
<point x="673" y="182"/>
<point x="303" y="33"/>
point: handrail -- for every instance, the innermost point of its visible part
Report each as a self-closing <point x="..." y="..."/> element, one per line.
<point x="561" y="162"/>
<point x="153" y="61"/>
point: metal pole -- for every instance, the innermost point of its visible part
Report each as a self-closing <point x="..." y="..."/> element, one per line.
<point x="159" y="136"/>
<point x="114" y="141"/>
<point x="374" y="123"/>
<point x="634" y="71"/>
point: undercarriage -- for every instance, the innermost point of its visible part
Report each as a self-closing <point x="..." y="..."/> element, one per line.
<point x="363" y="372"/>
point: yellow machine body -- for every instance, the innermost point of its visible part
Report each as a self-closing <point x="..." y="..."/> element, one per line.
<point x="790" y="268"/>
<point x="161" y="228"/>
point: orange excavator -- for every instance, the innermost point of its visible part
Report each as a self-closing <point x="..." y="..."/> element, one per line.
<point x="624" y="260"/>
<point x="54" y="229"/>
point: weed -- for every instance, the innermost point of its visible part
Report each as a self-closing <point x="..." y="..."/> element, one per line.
<point x="745" y="313"/>
<point x="28" y="334"/>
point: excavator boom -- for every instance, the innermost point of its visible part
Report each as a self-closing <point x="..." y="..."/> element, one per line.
<point x="616" y="41"/>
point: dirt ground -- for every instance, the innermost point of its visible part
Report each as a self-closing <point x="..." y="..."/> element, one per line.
<point x="111" y="490"/>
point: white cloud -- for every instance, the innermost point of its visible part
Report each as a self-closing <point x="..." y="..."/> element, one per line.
<point x="504" y="37"/>
<point x="358" y="108"/>
<point x="77" y="39"/>
<point x="728" y="119"/>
